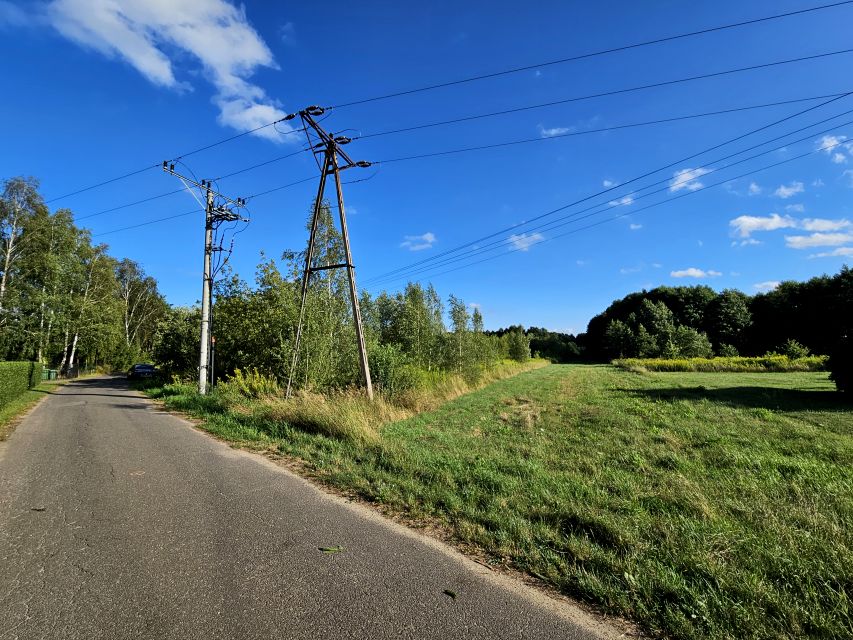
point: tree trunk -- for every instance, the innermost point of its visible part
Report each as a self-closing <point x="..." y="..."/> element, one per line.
<point x="7" y="262"/>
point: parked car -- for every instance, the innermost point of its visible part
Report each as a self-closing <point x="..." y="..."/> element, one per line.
<point x="139" y="371"/>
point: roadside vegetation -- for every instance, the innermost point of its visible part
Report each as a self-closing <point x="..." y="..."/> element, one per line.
<point x="769" y="363"/>
<point x="699" y="504"/>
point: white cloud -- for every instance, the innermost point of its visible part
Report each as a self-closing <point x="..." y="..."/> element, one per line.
<point x="835" y="147"/>
<point x="818" y="183"/>
<point x="687" y="179"/>
<point x="828" y="143"/>
<point x="754" y="189"/>
<point x="634" y="226"/>
<point x="693" y="272"/>
<point x="418" y="243"/>
<point x="609" y="183"/>
<point x="475" y="305"/>
<point x="287" y="32"/>
<point x="818" y="240"/>
<point x="746" y="243"/>
<point x="792" y="189"/>
<point x="554" y="131"/>
<point x="835" y="253"/>
<point x="848" y="173"/>
<point x="214" y="33"/>
<point x="795" y="208"/>
<point x="623" y="201"/>
<point x="523" y="242"/>
<point x="769" y="285"/>
<point x="746" y="225"/>
<point x="822" y="224"/>
<point x="626" y="270"/>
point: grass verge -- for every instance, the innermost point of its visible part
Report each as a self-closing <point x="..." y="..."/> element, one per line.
<point x="700" y="504"/>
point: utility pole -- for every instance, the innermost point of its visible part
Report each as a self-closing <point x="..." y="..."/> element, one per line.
<point x="330" y="146"/>
<point x="213" y="216"/>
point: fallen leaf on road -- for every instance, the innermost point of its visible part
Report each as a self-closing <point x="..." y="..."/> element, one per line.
<point x="450" y="593"/>
<point x="331" y="549"/>
<point x="37" y="509"/>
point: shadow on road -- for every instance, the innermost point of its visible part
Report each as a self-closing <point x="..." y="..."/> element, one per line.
<point x="752" y="397"/>
<point x="87" y="386"/>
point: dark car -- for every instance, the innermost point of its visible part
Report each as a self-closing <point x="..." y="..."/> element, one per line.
<point x="139" y="371"/>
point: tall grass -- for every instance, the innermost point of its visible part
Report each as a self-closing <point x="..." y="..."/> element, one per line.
<point x="344" y="414"/>
<point x="768" y="363"/>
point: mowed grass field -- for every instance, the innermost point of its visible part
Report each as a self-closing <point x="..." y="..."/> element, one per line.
<point x="702" y="505"/>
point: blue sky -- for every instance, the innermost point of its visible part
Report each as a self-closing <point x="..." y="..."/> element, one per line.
<point x="91" y="94"/>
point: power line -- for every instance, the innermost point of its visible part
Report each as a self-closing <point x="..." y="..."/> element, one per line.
<point x="574" y="217"/>
<point x="145" y="224"/>
<point x="476" y="78"/>
<point x="631" y="181"/>
<point x="474" y="148"/>
<point x="628" y="213"/>
<point x="180" y="157"/>
<point x="592" y="54"/>
<point x="587" y="97"/>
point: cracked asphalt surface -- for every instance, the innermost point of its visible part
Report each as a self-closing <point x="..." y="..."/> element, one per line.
<point x="120" y="521"/>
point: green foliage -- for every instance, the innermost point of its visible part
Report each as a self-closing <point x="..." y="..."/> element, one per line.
<point x="16" y="378"/>
<point x="727" y="351"/>
<point x="518" y="346"/>
<point x="793" y="349"/>
<point x="63" y="300"/>
<point x="689" y="343"/>
<point x="250" y="383"/>
<point x="840" y="365"/>
<point x="176" y="341"/>
<point x="769" y="364"/>
<point x="36" y="369"/>
<point x="391" y="371"/>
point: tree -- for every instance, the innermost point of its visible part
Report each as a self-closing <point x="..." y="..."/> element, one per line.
<point x="690" y="343"/>
<point x="518" y="344"/>
<point x="728" y="318"/>
<point x="620" y="340"/>
<point x="459" y="318"/>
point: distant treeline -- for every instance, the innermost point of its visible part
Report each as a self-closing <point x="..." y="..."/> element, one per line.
<point x="795" y="319"/>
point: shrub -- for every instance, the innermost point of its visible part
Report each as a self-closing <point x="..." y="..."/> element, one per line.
<point x="794" y="349"/>
<point x="16" y="378"/>
<point x="251" y="384"/>
<point x="391" y="371"/>
<point x="765" y="364"/>
<point x="519" y="346"/>
<point x="36" y="369"/>
<point x="727" y="351"/>
<point x="840" y="365"/>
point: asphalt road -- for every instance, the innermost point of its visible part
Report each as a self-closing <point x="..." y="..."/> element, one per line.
<point x="120" y="521"/>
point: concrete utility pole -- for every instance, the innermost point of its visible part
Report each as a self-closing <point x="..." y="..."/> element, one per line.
<point x="330" y="147"/>
<point x="213" y="216"/>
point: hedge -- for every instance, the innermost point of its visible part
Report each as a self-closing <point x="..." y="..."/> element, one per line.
<point x="768" y="363"/>
<point x="16" y="378"/>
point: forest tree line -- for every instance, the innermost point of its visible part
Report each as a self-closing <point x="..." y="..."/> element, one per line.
<point x="813" y="316"/>
<point x="64" y="301"/>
